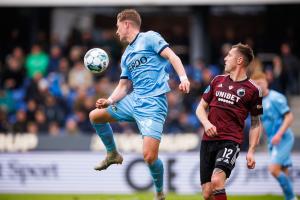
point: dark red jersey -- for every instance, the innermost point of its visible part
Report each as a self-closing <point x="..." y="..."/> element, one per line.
<point x="229" y="104"/>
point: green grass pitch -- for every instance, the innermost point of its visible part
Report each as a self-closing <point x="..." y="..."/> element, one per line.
<point x="137" y="196"/>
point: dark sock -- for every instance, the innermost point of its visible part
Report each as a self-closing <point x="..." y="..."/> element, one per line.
<point x="220" y="194"/>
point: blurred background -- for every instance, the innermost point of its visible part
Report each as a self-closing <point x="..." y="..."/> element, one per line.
<point x="47" y="144"/>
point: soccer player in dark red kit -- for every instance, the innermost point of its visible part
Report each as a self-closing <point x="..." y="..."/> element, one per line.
<point x="229" y="98"/>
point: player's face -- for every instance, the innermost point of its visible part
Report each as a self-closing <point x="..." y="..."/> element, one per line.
<point x="122" y="30"/>
<point x="231" y="60"/>
<point x="263" y="84"/>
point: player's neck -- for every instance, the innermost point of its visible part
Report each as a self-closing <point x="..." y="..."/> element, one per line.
<point x="266" y="92"/>
<point x="132" y="36"/>
<point x="238" y="75"/>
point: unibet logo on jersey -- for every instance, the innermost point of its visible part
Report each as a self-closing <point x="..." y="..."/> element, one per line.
<point x="227" y="97"/>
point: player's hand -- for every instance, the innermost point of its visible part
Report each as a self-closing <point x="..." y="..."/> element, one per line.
<point x="276" y="139"/>
<point x="184" y="86"/>
<point x="102" y="103"/>
<point x="210" y="130"/>
<point x="250" y="160"/>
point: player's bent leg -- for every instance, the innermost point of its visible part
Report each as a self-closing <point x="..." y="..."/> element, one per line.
<point x="100" y="116"/>
<point x="155" y="165"/>
<point x="281" y="175"/>
<point x="218" y="184"/>
<point x="99" y="119"/>
<point x="207" y="191"/>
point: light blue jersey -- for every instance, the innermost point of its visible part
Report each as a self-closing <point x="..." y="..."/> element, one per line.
<point x="275" y="107"/>
<point x="143" y="65"/>
<point x="147" y="104"/>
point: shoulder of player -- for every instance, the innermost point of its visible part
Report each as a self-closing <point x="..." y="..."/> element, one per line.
<point x="219" y="78"/>
<point x="276" y="95"/>
<point x="253" y="85"/>
<point x="150" y="34"/>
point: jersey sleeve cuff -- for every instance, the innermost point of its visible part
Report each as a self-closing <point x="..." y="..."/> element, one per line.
<point x="165" y="46"/>
<point x="124" y="77"/>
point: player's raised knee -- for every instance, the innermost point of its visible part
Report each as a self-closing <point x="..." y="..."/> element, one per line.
<point x="97" y="116"/>
<point x="93" y="115"/>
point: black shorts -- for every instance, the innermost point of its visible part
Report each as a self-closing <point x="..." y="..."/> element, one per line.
<point x="220" y="154"/>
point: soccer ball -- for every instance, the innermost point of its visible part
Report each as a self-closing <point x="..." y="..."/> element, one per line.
<point x="96" y="60"/>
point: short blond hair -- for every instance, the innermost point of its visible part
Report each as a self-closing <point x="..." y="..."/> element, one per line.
<point x="246" y="51"/>
<point x="132" y="15"/>
<point x="258" y="75"/>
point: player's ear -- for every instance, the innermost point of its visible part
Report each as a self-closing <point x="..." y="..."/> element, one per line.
<point x="240" y="60"/>
<point x="127" y="23"/>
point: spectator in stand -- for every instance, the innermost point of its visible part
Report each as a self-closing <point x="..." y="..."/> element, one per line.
<point x="292" y="69"/>
<point x="80" y="77"/>
<point x="174" y="109"/>
<point x="6" y="101"/>
<point x="83" y="122"/>
<point x="31" y="109"/>
<point x="20" y="125"/>
<point x="54" y="110"/>
<point x="54" y="129"/>
<point x="13" y="74"/>
<point x="37" y="61"/>
<point x="41" y="121"/>
<point x="33" y="90"/>
<point x="279" y="80"/>
<point x="75" y="55"/>
<point x="104" y="87"/>
<point x="71" y="127"/>
<point x="58" y="80"/>
<point x="32" y="128"/>
<point x="5" y="127"/>
<point x="18" y="53"/>
<point x="55" y="55"/>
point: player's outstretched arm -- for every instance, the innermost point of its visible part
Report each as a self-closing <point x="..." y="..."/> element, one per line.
<point x="287" y="122"/>
<point x="169" y="54"/>
<point x="209" y="128"/>
<point x="119" y="93"/>
<point x="254" y="136"/>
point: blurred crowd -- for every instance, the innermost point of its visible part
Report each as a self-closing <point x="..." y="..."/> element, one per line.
<point x="47" y="90"/>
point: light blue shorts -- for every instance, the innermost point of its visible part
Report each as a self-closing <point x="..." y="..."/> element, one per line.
<point x="149" y="113"/>
<point x="281" y="153"/>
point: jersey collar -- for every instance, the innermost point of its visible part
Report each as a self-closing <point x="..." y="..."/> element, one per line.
<point x="131" y="43"/>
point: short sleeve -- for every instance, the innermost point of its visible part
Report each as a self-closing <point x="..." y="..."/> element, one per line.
<point x="124" y="73"/>
<point x="256" y="103"/>
<point x="156" y="42"/>
<point x="208" y="93"/>
<point x="281" y="105"/>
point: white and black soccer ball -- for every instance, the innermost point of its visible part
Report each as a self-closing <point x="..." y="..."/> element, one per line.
<point x="96" y="60"/>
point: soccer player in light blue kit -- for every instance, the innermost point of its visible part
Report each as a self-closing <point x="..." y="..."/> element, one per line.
<point x="144" y="65"/>
<point x="277" y="119"/>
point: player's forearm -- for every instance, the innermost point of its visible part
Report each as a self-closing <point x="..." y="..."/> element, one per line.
<point x="254" y="133"/>
<point x="169" y="54"/>
<point x="287" y="122"/>
<point x="178" y="66"/>
<point x="201" y="112"/>
<point x="254" y="136"/>
<point x="119" y="93"/>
